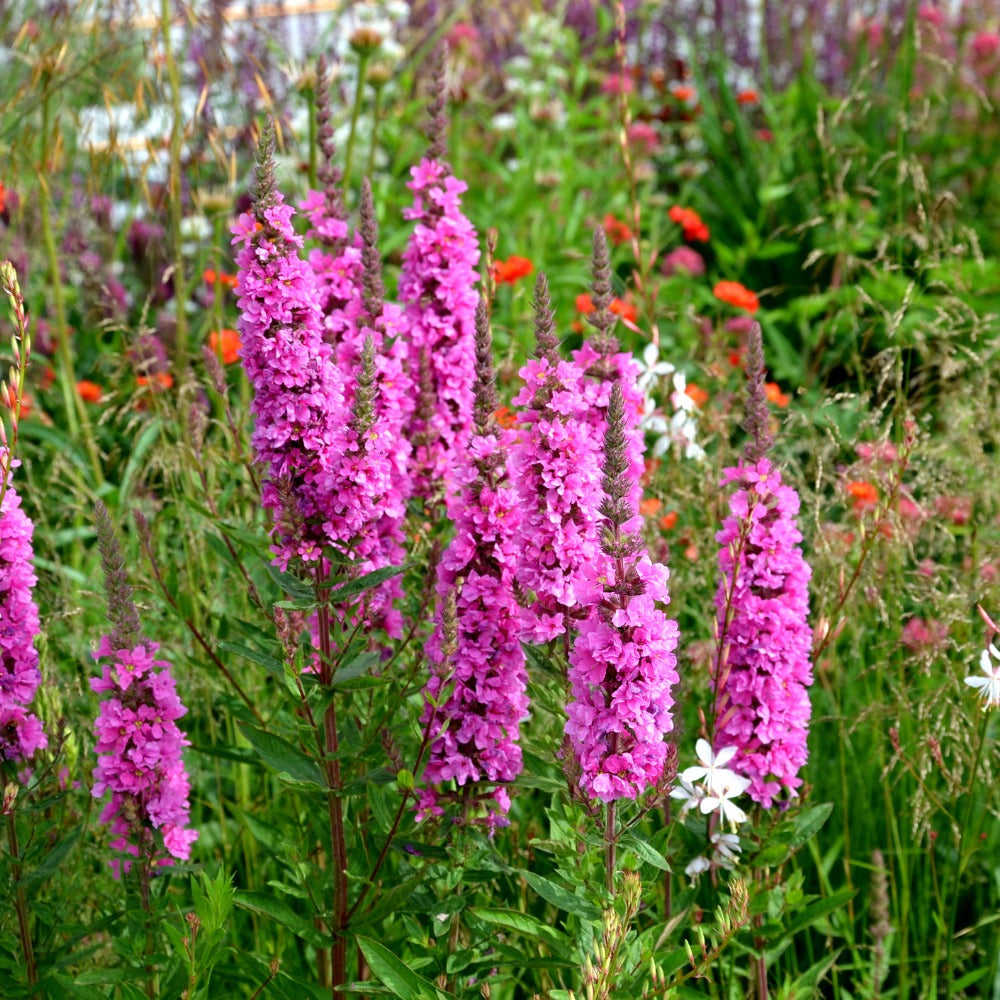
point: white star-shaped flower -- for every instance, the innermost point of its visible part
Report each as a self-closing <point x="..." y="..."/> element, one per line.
<point x="719" y="779"/>
<point x="988" y="686"/>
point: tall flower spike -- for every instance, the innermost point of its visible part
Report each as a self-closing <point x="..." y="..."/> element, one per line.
<point x="373" y="294"/>
<point x="327" y="172"/>
<point x="139" y="744"/>
<point x="298" y="404"/>
<point x="438" y="288"/>
<point x="622" y="667"/>
<point x="763" y="665"/>
<point x="437" y="111"/>
<point x="546" y="341"/>
<point x="756" y="421"/>
<point x="601" y="318"/>
<point x="122" y="612"/>
<point x="21" y="732"/>
<point x="486" y="386"/>
<point x="476" y="728"/>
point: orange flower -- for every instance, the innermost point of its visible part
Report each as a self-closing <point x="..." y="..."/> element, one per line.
<point x="226" y="280"/>
<point x="864" y="496"/>
<point x="159" y="381"/>
<point x="648" y="506"/>
<point x="8" y="399"/>
<point x="736" y="295"/>
<point x="506" y="272"/>
<point x="90" y="392"/>
<point x="775" y="395"/>
<point x="627" y="310"/>
<point x="227" y="342"/>
<point x="683" y="93"/>
<point x="696" y="393"/>
<point x="504" y="417"/>
<point x="669" y="520"/>
<point x="690" y="221"/>
<point x="618" y="231"/>
<point x="747" y="97"/>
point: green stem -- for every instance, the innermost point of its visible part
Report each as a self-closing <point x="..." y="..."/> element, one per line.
<point x="376" y="112"/>
<point x="960" y="860"/>
<point x="610" y="847"/>
<point x="310" y="93"/>
<point x="21" y="903"/>
<point x="77" y="420"/>
<point x="331" y="742"/>
<point x="355" y="114"/>
<point x="174" y="187"/>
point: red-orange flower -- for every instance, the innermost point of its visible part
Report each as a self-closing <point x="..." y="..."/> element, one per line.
<point x="775" y="395"/>
<point x="506" y="272"/>
<point x="690" y="221"/>
<point x="227" y="342"/>
<point x="648" y="506"/>
<point x="737" y="295"/>
<point x="747" y="97"/>
<point x="864" y="495"/>
<point x="669" y="520"/>
<point x="90" y="392"/>
<point x="157" y="381"/>
<point x="3" y="198"/>
<point x="627" y="310"/>
<point x="695" y="392"/>
<point x="683" y="93"/>
<point x="504" y="417"/>
<point x="618" y="231"/>
<point x="226" y="280"/>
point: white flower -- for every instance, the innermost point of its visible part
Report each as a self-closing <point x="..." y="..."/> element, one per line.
<point x="722" y="801"/>
<point x="690" y="794"/>
<point x="697" y="865"/>
<point x="652" y="368"/>
<point x="989" y="686"/>
<point x="727" y="849"/>
<point x="719" y="780"/>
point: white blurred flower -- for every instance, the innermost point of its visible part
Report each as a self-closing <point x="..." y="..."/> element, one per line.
<point x="697" y="865"/>
<point x="687" y="793"/>
<point x="988" y="686"/>
<point x="727" y="849"/>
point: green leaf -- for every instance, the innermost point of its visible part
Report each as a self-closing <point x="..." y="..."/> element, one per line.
<point x="559" y="897"/>
<point x="818" y="910"/>
<point x="283" y="757"/>
<point x="290" y="584"/>
<point x="367" y="581"/>
<point x="646" y="852"/>
<point x="253" y="655"/>
<point x="54" y="858"/>
<point x="278" y="910"/>
<point x="356" y="668"/>
<point x="791" y="834"/>
<point x="396" y="974"/>
<point x="522" y="923"/>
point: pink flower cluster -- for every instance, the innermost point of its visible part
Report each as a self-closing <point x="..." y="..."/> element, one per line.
<point x="556" y="468"/>
<point x="762" y="704"/>
<point x="437" y="286"/>
<point x="21" y="731"/>
<point x="622" y="671"/>
<point x="298" y="404"/>
<point x="139" y="748"/>
<point x="484" y="684"/>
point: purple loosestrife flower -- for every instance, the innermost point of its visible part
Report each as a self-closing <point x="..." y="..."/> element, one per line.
<point x="336" y="264"/>
<point x="438" y="288"/>
<point x="622" y="666"/>
<point x="298" y="407"/>
<point x="556" y="468"/>
<point x="139" y="744"/>
<point x="139" y="749"/>
<point x="21" y="731"/>
<point x="475" y="712"/>
<point x="603" y="366"/>
<point x="762" y="706"/>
